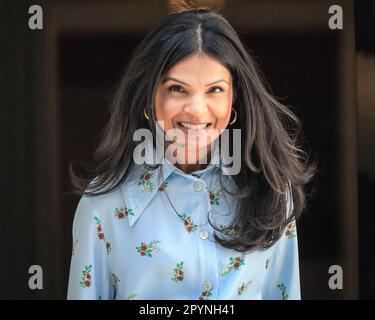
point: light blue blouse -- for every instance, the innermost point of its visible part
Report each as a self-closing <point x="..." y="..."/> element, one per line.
<point x="132" y="244"/>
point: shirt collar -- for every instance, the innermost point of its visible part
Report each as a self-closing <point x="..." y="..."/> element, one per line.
<point x="145" y="180"/>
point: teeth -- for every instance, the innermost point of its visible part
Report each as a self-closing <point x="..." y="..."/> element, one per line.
<point x="194" y="126"/>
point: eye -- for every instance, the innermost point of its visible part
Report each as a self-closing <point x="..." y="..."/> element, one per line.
<point x="176" y="88"/>
<point x="215" y="88"/>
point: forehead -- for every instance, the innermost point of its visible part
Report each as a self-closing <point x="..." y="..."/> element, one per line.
<point x="199" y="67"/>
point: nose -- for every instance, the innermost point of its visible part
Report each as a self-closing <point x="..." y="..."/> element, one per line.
<point x="196" y="107"/>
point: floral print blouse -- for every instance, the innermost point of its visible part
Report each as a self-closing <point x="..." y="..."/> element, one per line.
<point x="133" y="244"/>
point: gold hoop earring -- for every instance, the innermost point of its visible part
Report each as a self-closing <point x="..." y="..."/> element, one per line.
<point x="235" y="117"/>
<point x="145" y="114"/>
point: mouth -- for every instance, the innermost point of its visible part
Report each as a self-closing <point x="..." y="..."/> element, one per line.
<point x="185" y="126"/>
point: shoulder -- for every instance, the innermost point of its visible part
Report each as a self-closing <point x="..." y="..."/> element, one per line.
<point x="104" y="205"/>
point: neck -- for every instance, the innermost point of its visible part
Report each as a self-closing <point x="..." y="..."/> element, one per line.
<point x="187" y="167"/>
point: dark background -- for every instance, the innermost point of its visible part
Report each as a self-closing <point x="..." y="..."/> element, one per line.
<point x="55" y="88"/>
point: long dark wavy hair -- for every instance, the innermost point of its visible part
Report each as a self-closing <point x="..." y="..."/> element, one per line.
<point x="273" y="164"/>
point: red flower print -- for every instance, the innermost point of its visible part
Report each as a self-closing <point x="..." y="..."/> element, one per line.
<point x="178" y="274"/>
<point x="146" y="249"/>
<point x="145" y="181"/>
<point x="188" y="223"/>
<point x="143" y="249"/>
<point x="163" y="186"/>
<point x="145" y="176"/>
<point x="101" y="235"/>
<point x="290" y="230"/>
<point x="215" y="196"/>
<point x="86" y="277"/>
<point x="234" y="264"/>
<point x="121" y="215"/>
<point x="206" y="293"/>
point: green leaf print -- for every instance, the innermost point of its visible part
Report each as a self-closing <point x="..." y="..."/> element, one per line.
<point x="122" y="213"/>
<point x="215" y="196"/>
<point x="282" y="288"/>
<point x="205" y="295"/>
<point x="178" y="274"/>
<point x="188" y="223"/>
<point x="145" y="182"/>
<point x="163" y="186"/>
<point x="290" y="231"/>
<point x="234" y="264"/>
<point x="146" y="249"/>
<point x="86" y="279"/>
<point x="101" y="236"/>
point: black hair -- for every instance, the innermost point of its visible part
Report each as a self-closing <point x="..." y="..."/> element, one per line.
<point x="273" y="164"/>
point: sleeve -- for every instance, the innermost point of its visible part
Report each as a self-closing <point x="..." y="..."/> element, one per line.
<point x="282" y="279"/>
<point x="88" y="277"/>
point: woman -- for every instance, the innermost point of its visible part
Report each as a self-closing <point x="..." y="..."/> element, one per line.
<point x="183" y="227"/>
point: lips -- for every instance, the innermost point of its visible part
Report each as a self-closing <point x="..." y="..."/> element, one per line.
<point x="193" y="126"/>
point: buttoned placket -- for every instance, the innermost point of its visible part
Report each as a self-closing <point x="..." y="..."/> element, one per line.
<point x="207" y="247"/>
<point x="210" y="281"/>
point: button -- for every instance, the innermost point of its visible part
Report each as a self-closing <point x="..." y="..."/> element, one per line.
<point x="198" y="186"/>
<point x="203" y="234"/>
<point x="207" y="285"/>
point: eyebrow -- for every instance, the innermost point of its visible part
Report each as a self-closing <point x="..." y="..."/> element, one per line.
<point x="208" y="84"/>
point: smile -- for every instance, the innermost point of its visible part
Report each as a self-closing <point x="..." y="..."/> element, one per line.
<point x="191" y="126"/>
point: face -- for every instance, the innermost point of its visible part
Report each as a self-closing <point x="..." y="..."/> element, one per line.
<point x="195" y="96"/>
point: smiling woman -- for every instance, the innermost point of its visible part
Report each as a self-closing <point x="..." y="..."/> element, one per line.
<point x="189" y="98"/>
<point x="191" y="230"/>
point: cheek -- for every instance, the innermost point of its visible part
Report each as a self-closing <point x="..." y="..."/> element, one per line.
<point x="165" y="110"/>
<point x="222" y="114"/>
